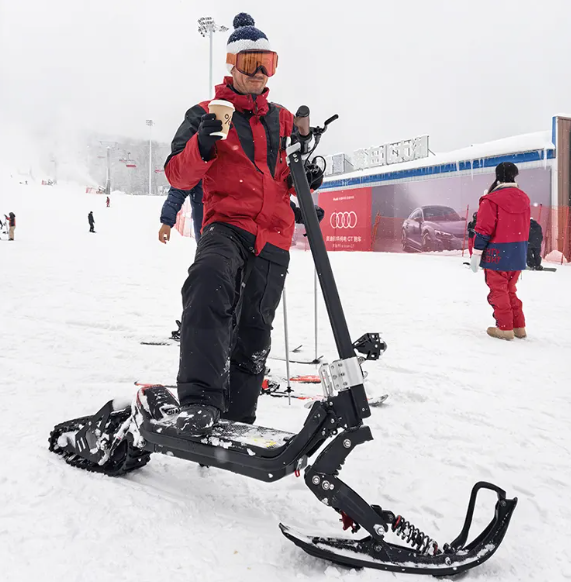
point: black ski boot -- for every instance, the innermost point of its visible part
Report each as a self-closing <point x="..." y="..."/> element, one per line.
<point x="197" y="419"/>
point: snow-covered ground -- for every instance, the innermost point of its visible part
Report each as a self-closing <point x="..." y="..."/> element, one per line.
<point x="74" y="308"/>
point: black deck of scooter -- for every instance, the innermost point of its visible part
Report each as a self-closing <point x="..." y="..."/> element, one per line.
<point x="262" y="453"/>
<point x="235" y="435"/>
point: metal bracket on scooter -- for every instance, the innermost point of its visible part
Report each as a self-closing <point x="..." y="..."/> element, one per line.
<point x="297" y="146"/>
<point x="342" y="383"/>
<point x="340" y="375"/>
<point x="291" y="148"/>
<point x="322" y="478"/>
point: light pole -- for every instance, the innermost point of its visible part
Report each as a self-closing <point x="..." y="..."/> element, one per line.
<point x="150" y="123"/>
<point x="110" y="146"/>
<point x="108" y="178"/>
<point x="54" y="162"/>
<point x="207" y="27"/>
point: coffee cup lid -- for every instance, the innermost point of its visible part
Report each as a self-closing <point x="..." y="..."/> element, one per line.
<point x="222" y="103"/>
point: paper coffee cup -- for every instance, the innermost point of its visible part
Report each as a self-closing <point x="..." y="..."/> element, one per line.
<point x="224" y="110"/>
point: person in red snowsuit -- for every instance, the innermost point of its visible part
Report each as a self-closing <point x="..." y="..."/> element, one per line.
<point x="235" y="283"/>
<point x="500" y="248"/>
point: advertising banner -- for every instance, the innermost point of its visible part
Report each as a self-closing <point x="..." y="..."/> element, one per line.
<point x="347" y="222"/>
<point x="432" y="215"/>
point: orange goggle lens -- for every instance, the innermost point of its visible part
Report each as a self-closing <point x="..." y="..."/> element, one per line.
<point x="250" y="62"/>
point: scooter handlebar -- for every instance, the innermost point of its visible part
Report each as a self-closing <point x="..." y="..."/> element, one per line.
<point x="330" y="120"/>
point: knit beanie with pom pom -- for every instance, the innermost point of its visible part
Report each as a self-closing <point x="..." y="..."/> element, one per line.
<point x="246" y="37"/>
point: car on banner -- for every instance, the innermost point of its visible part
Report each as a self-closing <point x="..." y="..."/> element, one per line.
<point x="433" y="228"/>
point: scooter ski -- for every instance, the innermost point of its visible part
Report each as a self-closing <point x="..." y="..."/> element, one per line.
<point x="118" y="439"/>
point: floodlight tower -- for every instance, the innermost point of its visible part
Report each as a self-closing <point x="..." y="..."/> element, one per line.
<point x="207" y="27"/>
<point x="150" y="124"/>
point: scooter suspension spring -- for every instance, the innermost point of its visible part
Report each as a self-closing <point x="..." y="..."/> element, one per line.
<point x="414" y="536"/>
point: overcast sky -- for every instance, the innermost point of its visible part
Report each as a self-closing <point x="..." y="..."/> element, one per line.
<point x="463" y="71"/>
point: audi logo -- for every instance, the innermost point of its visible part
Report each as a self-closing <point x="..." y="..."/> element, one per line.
<point x="343" y="219"/>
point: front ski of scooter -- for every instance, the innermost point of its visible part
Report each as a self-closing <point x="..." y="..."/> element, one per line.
<point x="424" y="556"/>
<point x="342" y="377"/>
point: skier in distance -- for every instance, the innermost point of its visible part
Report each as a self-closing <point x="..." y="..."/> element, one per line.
<point x="91" y="221"/>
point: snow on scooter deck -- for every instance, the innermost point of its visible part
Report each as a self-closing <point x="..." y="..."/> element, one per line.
<point x="229" y="434"/>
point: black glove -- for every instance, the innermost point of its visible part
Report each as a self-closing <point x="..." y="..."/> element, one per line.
<point x="206" y="141"/>
<point x="299" y="218"/>
<point x="296" y="213"/>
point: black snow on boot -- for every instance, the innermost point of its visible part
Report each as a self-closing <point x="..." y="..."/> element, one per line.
<point x="197" y="419"/>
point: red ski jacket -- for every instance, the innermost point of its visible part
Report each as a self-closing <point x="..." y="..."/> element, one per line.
<point x="245" y="183"/>
<point x="502" y="229"/>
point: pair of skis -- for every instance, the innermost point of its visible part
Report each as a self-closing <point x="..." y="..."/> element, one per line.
<point x="174" y="341"/>
<point x="549" y="269"/>
<point x="309" y="400"/>
<point x="273" y="389"/>
<point x="315" y="361"/>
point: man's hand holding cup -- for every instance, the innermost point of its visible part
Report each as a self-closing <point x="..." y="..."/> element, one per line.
<point x="214" y="126"/>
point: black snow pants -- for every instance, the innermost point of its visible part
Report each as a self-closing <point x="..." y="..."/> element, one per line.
<point x="229" y="302"/>
<point x="533" y="257"/>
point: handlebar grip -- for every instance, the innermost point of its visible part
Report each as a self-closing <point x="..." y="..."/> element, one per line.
<point x="331" y="120"/>
<point x="301" y="120"/>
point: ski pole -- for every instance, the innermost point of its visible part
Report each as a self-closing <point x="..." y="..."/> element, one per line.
<point x="315" y="284"/>
<point x="286" y="347"/>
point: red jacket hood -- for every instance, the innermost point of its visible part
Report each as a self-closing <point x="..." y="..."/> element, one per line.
<point x="509" y="198"/>
<point x="259" y="105"/>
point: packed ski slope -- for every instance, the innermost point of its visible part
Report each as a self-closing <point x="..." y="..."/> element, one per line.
<point x="74" y="308"/>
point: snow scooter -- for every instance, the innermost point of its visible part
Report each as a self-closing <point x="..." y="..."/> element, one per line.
<point x="119" y="438"/>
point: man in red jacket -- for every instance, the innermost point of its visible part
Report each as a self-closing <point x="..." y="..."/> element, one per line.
<point x="500" y="248"/>
<point x="235" y="283"/>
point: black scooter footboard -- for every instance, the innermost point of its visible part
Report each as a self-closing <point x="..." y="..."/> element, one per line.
<point x="262" y="453"/>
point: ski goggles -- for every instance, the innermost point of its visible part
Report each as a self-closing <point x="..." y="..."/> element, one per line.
<point x="250" y="62"/>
